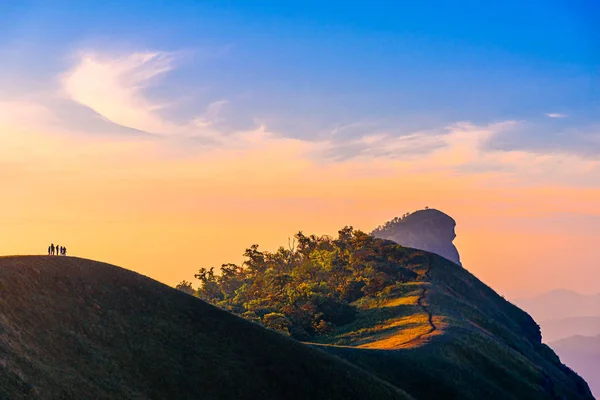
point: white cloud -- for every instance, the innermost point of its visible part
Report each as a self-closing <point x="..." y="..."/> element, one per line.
<point x="460" y="149"/>
<point x="116" y="88"/>
<point x="113" y="86"/>
<point x="556" y="115"/>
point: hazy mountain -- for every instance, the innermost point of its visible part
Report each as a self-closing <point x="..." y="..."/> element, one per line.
<point x="582" y="354"/>
<point x="559" y="304"/>
<point x="554" y="330"/>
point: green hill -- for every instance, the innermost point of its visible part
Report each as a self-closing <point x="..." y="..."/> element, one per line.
<point x="78" y="329"/>
<point x="74" y="328"/>
<point x="466" y="343"/>
<point x="415" y="319"/>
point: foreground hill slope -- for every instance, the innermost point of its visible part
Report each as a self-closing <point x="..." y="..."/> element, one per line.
<point x="450" y="336"/>
<point x="74" y="328"/>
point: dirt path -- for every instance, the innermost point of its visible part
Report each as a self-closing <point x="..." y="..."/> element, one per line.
<point x="421" y="299"/>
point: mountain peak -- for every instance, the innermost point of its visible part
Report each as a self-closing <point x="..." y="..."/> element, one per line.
<point x="428" y="229"/>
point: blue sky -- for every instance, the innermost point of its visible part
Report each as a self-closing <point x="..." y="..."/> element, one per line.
<point x="306" y="68"/>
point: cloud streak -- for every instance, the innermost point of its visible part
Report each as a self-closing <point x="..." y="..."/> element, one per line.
<point x="113" y="86"/>
<point x="114" y="89"/>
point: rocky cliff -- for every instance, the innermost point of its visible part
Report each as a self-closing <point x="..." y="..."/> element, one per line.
<point x="430" y="230"/>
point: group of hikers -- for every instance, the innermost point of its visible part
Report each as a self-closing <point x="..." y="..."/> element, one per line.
<point x="57" y="250"/>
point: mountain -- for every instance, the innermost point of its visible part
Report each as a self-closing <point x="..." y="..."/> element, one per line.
<point x="430" y="230"/>
<point x="583" y="355"/>
<point x="554" y="330"/>
<point x="78" y="329"/>
<point x="560" y="304"/>
<point x="412" y="318"/>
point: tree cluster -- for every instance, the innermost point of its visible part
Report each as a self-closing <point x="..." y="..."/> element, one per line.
<point x="307" y="289"/>
<point x="390" y="225"/>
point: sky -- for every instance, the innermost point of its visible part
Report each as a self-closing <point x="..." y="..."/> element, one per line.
<point x="168" y="136"/>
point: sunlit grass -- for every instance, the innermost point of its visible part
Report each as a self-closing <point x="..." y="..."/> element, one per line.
<point x="401" y="301"/>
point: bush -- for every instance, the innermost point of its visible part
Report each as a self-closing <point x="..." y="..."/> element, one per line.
<point x="277" y="322"/>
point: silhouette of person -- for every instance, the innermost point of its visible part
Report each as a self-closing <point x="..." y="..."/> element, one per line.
<point x="52" y="248"/>
<point x="64" y="251"/>
<point x="49" y="251"/>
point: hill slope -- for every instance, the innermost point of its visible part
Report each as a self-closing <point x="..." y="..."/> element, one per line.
<point x="452" y="337"/>
<point x="74" y="328"/>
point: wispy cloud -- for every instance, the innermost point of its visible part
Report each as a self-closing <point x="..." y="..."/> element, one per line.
<point x="211" y="115"/>
<point x="556" y="115"/>
<point x="114" y="87"/>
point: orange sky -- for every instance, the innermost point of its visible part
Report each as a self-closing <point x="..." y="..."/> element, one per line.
<point x="165" y="212"/>
<point x="194" y="195"/>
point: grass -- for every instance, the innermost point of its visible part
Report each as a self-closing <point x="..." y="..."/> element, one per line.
<point x="482" y="348"/>
<point x="73" y="328"/>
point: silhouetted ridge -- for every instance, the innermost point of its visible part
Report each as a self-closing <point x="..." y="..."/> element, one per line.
<point x="430" y="230"/>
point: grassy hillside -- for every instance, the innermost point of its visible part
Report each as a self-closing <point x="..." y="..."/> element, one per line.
<point x="74" y="328"/>
<point x="413" y="318"/>
<point x="479" y="346"/>
<point x="77" y="329"/>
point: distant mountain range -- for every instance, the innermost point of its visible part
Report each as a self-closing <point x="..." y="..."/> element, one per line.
<point x="582" y="353"/>
<point x="570" y="325"/>
<point x="560" y="304"/>
<point x="563" y="328"/>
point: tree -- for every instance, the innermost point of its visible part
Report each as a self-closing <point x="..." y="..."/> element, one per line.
<point x="209" y="289"/>
<point x="308" y="288"/>
<point x="277" y="322"/>
<point x="185" y="287"/>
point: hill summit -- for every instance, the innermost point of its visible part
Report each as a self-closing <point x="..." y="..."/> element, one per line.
<point x="78" y="329"/>
<point x="429" y="229"/>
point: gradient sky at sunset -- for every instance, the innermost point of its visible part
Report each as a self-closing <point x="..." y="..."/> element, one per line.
<point x="166" y="136"/>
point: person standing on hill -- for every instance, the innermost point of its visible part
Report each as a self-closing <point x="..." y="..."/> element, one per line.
<point x="49" y="251"/>
<point x="52" y="249"/>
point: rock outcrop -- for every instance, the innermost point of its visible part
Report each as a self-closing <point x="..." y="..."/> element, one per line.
<point x="430" y="230"/>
